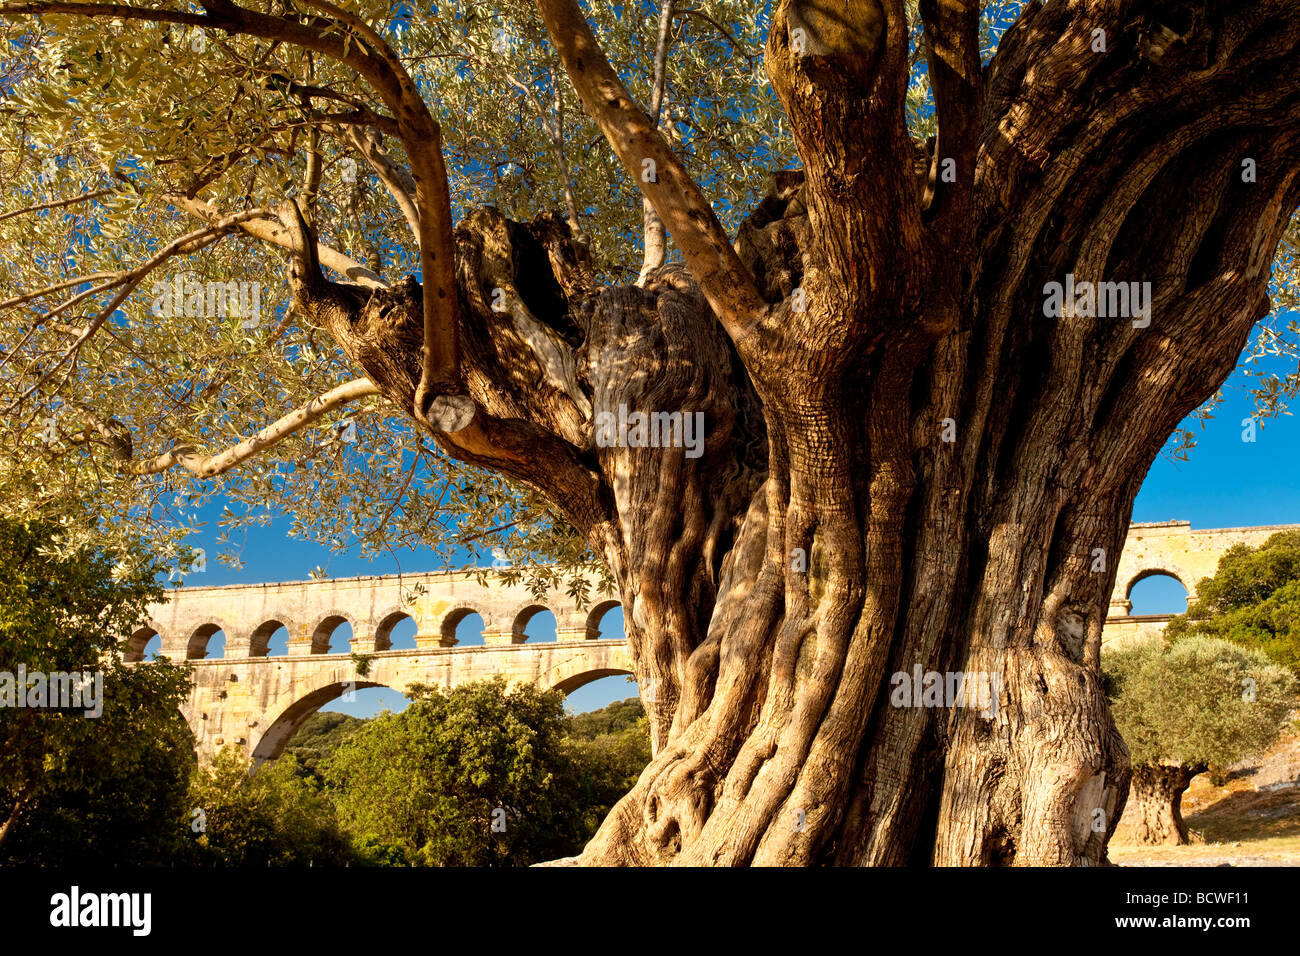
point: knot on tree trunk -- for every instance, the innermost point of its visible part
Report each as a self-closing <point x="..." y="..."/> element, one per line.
<point x="836" y="42"/>
<point x="771" y="240"/>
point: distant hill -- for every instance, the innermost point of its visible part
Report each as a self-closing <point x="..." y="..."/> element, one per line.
<point x="611" y="719"/>
<point x="318" y="737"/>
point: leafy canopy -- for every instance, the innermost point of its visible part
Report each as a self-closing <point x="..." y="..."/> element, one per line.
<point x="1199" y="702"/>
<point x="317" y="739"/>
<point x="150" y="112"/>
<point x="474" y="776"/>
<point x="113" y="133"/>
<point x="609" y="747"/>
<point x="273" y="817"/>
<point x="75" y="788"/>
<point x="127" y="125"/>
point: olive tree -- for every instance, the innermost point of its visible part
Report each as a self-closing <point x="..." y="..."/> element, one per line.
<point x="1198" y="704"/>
<point x="883" y="411"/>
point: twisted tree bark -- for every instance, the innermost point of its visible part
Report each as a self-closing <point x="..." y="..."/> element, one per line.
<point x="912" y="463"/>
<point x="1158" y="797"/>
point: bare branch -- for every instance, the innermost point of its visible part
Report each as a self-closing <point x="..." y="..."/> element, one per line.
<point x="313" y="173"/>
<point x="396" y="178"/>
<point x="360" y="111"/>
<point x="268" y="230"/>
<point x="655" y="246"/>
<point x="84" y="197"/>
<point x="953" y="42"/>
<point x="121" y="11"/>
<point x="212" y="465"/>
<point x="57" y="287"/>
<point x="420" y="133"/>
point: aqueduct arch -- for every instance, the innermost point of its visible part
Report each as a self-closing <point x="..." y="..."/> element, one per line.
<point x="252" y="701"/>
<point x="596" y="615"/>
<point x="198" y="644"/>
<point x="451" y="621"/>
<point x="386" y="624"/>
<point x="138" y="641"/>
<point x="282" y="725"/>
<point x="1172" y="548"/>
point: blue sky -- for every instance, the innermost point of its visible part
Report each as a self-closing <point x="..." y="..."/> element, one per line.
<point x="1227" y="483"/>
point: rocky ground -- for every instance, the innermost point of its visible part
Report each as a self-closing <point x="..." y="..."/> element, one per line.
<point x="1252" y="820"/>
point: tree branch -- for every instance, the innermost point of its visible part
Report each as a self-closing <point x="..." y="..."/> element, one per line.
<point x="440" y="364"/>
<point x="364" y="50"/>
<point x="953" y="54"/>
<point x="731" y="40"/>
<point x="655" y="246"/>
<point x="726" y="284"/>
<point x="84" y="197"/>
<point x="57" y="287"/>
<point x="396" y="178"/>
<point x="212" y="465"/>
<point x="267" y="230"/>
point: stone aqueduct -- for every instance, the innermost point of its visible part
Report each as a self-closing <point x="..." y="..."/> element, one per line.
<point x="1172" y="548"/>
<point x="253" y="701"/>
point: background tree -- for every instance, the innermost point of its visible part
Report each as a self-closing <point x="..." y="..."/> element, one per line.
<point x="613" y="718"/>
<point x="1197" y="704"/>
<point x="1253" y="600"/>
<point x="316" y="740"/>
<point x="911" y="457"/>
<point x="107" y="789"/>
<point x="601" y="754"/>
<point x="271" y="817"/>
<point x="465" y="777"/>
<point x="610" y="748"/>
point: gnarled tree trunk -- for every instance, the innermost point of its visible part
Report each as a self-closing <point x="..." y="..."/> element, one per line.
<point x="909" y="466"/>
<point x="1158" y="797"/>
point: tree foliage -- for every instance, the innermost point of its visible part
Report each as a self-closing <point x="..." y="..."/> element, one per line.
<point x="316" y="740"/>
<point x="271" y="817"/>
<point x="161" y="112"/>
<point x="598" y="758"/>
<point x="166" y="111"/>
<point x="1200" y="702"/>
<point x="109" y="791"/>
<point x="609" y="748"/>
<point x="1253" y="599"/>
<point x="611" y="719"/>
<point x="75" y="788"/>
<point x="474" y="776"/>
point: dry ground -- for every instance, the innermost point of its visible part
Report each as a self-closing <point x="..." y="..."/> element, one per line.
<point x="1252" y="820"/>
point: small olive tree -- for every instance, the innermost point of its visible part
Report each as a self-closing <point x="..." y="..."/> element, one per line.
<point x="1199" y="703"/>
